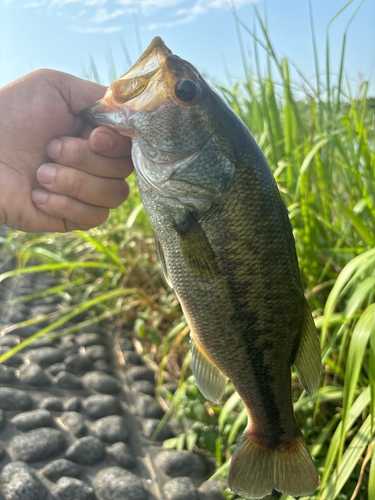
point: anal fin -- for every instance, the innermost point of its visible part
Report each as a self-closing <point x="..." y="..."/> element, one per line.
<point x="308" y="359"/>
<point x="210" y="380"/>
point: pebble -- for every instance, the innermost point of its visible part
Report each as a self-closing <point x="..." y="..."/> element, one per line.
<point x="14" y="399"/>
<point x="51" y="403"/>
<point x="86" y="451"/>
<point x="210" y="490"/>
<point x="132" y="358"/>
<point x="98" y="406"/>
<point x="72" y="404"/>
<point x="32" y="420"/>
<point x="177" y="463"/>
<point x="16" y="316"/>
<point x="33" y="374"/>
<point x="57" y="368"/>
<point x="15" y="360"/>
<point x="79" y="362"/>
<point x="68" y="488"/>
<point x="87" y="339"/>
<point x="101" y="382"/>
<point x="74" y="423"/>
<point x="145" y="387"/>
<point x="10" y="340"/>
<point x="61" y="467"/>
<point x="68" y="381"/>
<point x="147" y="407"/>
<point x="42" y="342"/>
<point x="38" y="444"/>
<point x="102" y="366"/>
<point x="141" y="373"/>
<point x="115" y="483"/>
<point x="2" y="453"/>
<point x="7" y="374"/>
<point x="45" y="355"/>
<point x="170" y="387"/>
<point x="181" y="488"/>
<point x="2" y="420"/>
<point x="126" y="344"/>
<point x="121" y="454"/>
<point x="111" y="429"/>
<point x="18" y="482"/>
<point x="27" y="331"/>
<point x="151" y="424"/>
<point x="97" y="352"/>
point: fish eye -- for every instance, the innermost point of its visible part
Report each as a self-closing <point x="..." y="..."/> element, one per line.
<point x="186" y="90"/>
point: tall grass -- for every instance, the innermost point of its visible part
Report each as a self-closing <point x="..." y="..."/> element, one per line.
<point x="319" y="140"/>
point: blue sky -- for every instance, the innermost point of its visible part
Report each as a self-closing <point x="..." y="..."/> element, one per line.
<point x="62" y="34"/>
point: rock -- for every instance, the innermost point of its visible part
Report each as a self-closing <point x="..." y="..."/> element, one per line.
<point x="61" y="467"/>
<point x="33" y="374"/>
<point x="10" y="340"/>
<point x="15" y="360"/>
<point x="2" y="453"/>
<point x="42" y="342"/>
<point x="16" y="316"/>
<point x="68" y="488"/>
<point x="74" y="423"/>
<point x="14" y="399"/>
<point x="115" y="483"/>
<point x="210" y="490"/>
<point x="121" y="454"/>
<point x="141" y="373"/>
<point x="73" y="404"/>
<point x="38" y="444"/>
<point x="32" y="420"/>
<point x="68" y="381"/>
<point x="126" y="344"/>
<point x="19" y="483"/>
<point x="86" y="451"/>
<point x="97" y="352"/>
<point x="79" y="362"/>
<point x="51" y="403"/>
<point x="2" y="420"/>
<point x="111" y="429"/>
<point x="7" y="374"/>
<point x="45" y="355"/>
<point x="132" y="358"/>
<point x="102" y="366"/>
<point x="147" y="407"/>
<point x="144" y="386"/>
<point x="101" y="382"/>
<point x="99" y="406"/>
<point x="170" y="387"/>
<point x="57" y="368"/>
<point x="177" y="463"/>
<point x="88" y="339"/>
<point x="181" y="488"/>
<point x="69" y="347"/>
<point x="27" y="331"/>
<point x="151" y="424"/>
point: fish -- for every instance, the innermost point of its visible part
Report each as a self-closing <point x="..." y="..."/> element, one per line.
<point x="225" y="243"/>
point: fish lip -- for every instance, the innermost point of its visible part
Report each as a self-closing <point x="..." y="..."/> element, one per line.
<point x="112" y="116"/>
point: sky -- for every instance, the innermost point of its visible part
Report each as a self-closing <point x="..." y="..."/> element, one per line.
<point x="65" y="34"/>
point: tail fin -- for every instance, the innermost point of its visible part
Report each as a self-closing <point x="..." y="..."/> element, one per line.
<point x="256" y="470"/>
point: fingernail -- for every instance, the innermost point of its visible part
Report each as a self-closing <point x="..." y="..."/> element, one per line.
<point x="46" y="174"/>
<point x="39" y="196"/>
<point x="102" y="142"/>
<point x="53" y="148"/>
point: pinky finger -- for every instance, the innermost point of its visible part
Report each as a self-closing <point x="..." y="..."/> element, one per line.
<point x="74" y="213"/>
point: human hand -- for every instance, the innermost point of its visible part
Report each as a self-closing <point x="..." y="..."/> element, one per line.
<point x="87" y="178"/>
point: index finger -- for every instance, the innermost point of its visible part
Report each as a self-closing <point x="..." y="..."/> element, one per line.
<point x="108" y="142"/>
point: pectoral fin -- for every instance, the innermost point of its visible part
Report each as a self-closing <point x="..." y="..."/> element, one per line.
<point x="196" y="248"/>
<point x="308" y="359"/>
<point x="161" y="258"/>
<point x="210" y="380"/>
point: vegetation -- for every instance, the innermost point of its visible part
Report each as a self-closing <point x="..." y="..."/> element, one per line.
<point x="319" y="139"/>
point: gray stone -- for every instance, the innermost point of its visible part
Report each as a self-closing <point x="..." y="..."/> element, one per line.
<point x="72" y="404"/>
<point x="121" y="454"/>
<point x="68" y="488"/>
<point x="87" y="339"/>
<point x="19" y="483"/>
<point x="151" y="424"/>
<point x="181" y="488"/>
<point x="102" y="366"/>
<point x="87" y="451"/>
<point x="45" y="355"/>
<point x="170" y="387"/>
<point x="2" y="453"/>
<point x="2" y="420"/>
<point x="97" y="352"/>
<point x="74" y="422"/>
<point x="42" y="342"/>
<point x="14" y="360"/>
<point x="132" y="358"/>
<point x="57" y="368"/>
<point x="59" y="468"/>
<point x="16" y="316"/>
<point x="101" y="382"/>
<point x="14" y="399"/>
<point x="141" y="373"/>
<point x="111" y="429"/>
<point x="10" y="340"/>
<point x="7" y="374"/>
<point x="69" y="347"/>
<point x="51" y="403"/>
<point x="147" y="407"/>
<point x="210" y="490"/>
<point x="32" y="420"/>
<point x="99" y="406"/>
<point x="177" y="463"/>
<point x="115" y="483"/>
<point x="68" y="381"/>
<point x="27" y="331"/>
<point x="126" y="344"/>
<point x="33" y="374"/>
<point x="79" y="362"/>
<point x="144" y="386"/>
<point x="38" y="444"/>
<point x="42" y="310"/>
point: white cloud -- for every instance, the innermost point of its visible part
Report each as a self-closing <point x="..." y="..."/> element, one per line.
<point x="101" y="15"/>
<point x="92" y="29"/>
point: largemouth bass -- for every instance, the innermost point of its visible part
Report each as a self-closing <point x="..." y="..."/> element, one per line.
<point x="226" y="246"/>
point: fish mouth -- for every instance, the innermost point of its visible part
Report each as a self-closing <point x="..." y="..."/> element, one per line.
<point x="140" y="88"/>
